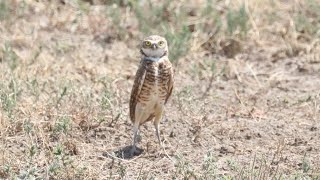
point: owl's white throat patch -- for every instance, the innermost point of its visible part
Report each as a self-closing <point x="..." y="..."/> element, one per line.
<point x="154" y="59"/>
<point x="153" y="55"/>
<point x="153" y="52"/>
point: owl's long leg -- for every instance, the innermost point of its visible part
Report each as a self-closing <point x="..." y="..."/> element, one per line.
<point x="156" y="123"/>
<point x="135" y="134"/>
<point x="158" y="133"/>
<point x="140" y="114"/>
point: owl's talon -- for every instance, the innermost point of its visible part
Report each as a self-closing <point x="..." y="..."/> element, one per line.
<point x="135" y="151"/>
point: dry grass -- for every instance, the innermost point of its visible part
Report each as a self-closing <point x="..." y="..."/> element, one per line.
<point x="245" y="105"/>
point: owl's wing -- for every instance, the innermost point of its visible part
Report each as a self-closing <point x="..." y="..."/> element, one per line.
<point x="170" y="84"/>
<point x="136" y="89"/>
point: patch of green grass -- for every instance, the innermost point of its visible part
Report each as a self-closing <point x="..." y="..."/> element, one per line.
<point x="4" y="9"/>
<point x="233" y="21"/>
<point x="178" y="42"/>
<point x="305" y="165"/>
<point x="122" y="170"/>
<point x="27" y="174"/>
<point x="22" y="8"/>
<point x="61" y="164"/>
<point x="28" y="126"/>
<point x="233" y="165"/>
<point x="106" y="103"/>
<point x="54" y="168"/>
<point x="63" y="48"/>
<point x="212" y="16"/>
<point x="62" y="94"/>
<point x="5" y="171"/>
<point x="115" y="12"/>
<point x="8" y="102"/>
<point x="62" y="125"/>
<point x="149" y="15"/>
<point x="9" y="94"/>
<point x="237" y="20"/>
<point x="10" y="56"/>
<point x="264" y="168"/>
<point x="82" y="6"/>
<point x="209" y="8"/>
<point x="308" y="19"/>
<point x="33" y="87"/>
<point x="209" y="166"/>
<point x="183" y="169"/>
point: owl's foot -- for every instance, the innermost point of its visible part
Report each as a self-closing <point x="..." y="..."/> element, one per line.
<point x="132" y="150"/>
<point x="135" y="151"/>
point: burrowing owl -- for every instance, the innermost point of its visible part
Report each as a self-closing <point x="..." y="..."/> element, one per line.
<point x="152" y="86"/>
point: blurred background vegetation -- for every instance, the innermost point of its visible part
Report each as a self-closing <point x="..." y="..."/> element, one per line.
<point x="215" y="25"/>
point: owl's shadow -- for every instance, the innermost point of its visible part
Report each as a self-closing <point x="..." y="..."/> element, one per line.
<point x="124" y="153"/>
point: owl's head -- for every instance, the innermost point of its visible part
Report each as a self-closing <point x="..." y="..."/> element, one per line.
<point x="154" y="46"/>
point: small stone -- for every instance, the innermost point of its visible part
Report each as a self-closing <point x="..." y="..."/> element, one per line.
<point x="227" y="149"/>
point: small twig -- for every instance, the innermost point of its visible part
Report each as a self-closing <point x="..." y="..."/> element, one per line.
<point x="238" y="98"/>
<point x="140" y="171"/>
<point x="253" y="163"/>
<point x="113" y="119"/>
<point x="165" y="152"/>
<point x="209" y="86"/>
<point x="253" y="23"/>
<point x="254" y="75"/>
<point x="242" y="104"/>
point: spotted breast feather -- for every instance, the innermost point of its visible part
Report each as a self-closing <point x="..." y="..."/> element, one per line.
<point x="153" y="80"/>
<point x="138" y="83"/>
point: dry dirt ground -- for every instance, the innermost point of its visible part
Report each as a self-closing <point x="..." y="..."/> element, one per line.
<point x="246" y="102"/>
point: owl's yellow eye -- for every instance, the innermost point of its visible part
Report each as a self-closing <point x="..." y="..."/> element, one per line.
<point x="147" y="43"/>
<point x="160" y="43"/>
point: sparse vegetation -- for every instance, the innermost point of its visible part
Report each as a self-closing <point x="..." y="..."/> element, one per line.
<point x="245" y="102"/>
<point x="4" y="9"/>
<point x="237" y="21"/>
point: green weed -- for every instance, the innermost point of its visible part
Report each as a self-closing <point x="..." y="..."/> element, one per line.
<point x="306" y="21"/>
<point x="212" y="16"/>
<point x="122" y="170"/>
<point x="237" y="20"/>
<point x="306" y="167"/>
<point x="54" y="168"/>
<point x="60" y="163"/>
<point x="27" y="174"/>
<point x="33" y="86"/>
<point x="4" y="9"/>
<point x="61" y="95"/>
<point x="10" y="56"/>
<point x="106" y="103"/>
<point x="28" y="126"/>
<point x="178" y="42"/>
<point x="63" y="125"/>
<point x="209" y="167"/>
<point x="184" y="168"/>
<point x="82" y="6"/>
<point x="8" y="96"/>
<point x="115" y="13"/>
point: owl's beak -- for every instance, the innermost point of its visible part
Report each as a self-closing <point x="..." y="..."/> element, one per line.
<point x="154" y="46"/>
